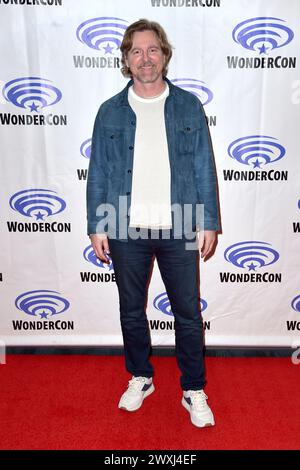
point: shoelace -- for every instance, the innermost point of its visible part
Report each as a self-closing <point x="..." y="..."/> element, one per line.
<point x="198" y="398"/>
<point x="135" y="383"/>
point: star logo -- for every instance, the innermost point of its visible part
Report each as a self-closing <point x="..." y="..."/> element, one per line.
<point x="257" y="163"/>
<point x="262" y="49"/>
<point x="251" y="267"/>
<point x="44" y="314"/>
<point x="39" y="216"/>
<point x="33" y="107"/>
<point x="108" y="49"/>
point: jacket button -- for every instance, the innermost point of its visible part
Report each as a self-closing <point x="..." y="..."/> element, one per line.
<point x="132" y="123"/>
<point x="128" y="193"/>
<point x="129" y="171"/>
<point x="188" y="128"/>
<point x="112" y="136"/>
<point x="131" y="147"/>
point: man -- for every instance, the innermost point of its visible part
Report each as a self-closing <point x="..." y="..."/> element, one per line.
<point x="151" y="146"/>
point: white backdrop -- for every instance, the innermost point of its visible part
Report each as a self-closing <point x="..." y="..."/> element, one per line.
<point x="59" y="61"/>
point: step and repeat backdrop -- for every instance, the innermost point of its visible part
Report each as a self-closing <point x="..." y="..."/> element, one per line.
<point x="60" y="60"/>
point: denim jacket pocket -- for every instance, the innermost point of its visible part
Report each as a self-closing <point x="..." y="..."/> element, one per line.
<point x="186" y="137"/>
<point x="115" y="147"/>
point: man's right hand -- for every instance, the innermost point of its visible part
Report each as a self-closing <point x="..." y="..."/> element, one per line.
<point x="100" y="246"/>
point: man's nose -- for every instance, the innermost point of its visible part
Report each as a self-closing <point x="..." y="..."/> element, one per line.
<point x="145" y="55"/>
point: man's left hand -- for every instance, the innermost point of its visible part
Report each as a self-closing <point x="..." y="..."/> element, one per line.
<point x="207" y="241"/>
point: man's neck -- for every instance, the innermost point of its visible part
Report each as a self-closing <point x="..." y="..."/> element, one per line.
<point x="149" y="90"/>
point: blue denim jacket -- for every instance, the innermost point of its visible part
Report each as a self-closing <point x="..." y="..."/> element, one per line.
<point x="193" y="177"/>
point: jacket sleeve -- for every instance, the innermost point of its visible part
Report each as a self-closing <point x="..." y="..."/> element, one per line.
<point x="97" y="175"/>
<point x="206" y="178"/>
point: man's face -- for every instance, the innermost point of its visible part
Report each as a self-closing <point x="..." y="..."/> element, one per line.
<point x="145" y="58"/>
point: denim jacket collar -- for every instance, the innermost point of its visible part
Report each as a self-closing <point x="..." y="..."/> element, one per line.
<point x="123" y="96"/>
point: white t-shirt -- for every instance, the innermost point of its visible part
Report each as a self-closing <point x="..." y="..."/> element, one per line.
<point x="151" y="178"/>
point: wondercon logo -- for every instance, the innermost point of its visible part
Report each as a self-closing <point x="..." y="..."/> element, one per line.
<point x="162" y="303"/>
<point x="296" y="303"/>
<point x="38" y="203"/>
<point x="256" y="150"/>
<point x="90" y="256"/>
<point x="262" y="34"/>
<point x="85" y="148"/>
<point x="32" y="93"/>
<point x="196" y="87"/>
<point x="42" y="303"/>
<point x="251" y="255"/>
<point x="104" y="34"/>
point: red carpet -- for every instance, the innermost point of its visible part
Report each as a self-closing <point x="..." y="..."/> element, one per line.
<point x="70" y="402"/>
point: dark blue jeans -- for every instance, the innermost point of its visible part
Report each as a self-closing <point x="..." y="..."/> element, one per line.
<point x="132" y="262"/>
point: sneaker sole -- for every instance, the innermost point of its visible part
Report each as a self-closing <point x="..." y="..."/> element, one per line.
<point x="202" y="424"/>
<point x="146" y="394"/>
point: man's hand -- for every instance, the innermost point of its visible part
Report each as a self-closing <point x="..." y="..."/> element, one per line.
<point x="100" y="246"/>
<point x="207" y="241"/>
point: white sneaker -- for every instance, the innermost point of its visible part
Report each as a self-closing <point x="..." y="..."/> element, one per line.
<point x="138" y="389"/>
<point x="195" y="402"/>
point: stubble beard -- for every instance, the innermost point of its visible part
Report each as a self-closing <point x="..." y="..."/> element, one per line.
<point x="148" y="79"/>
